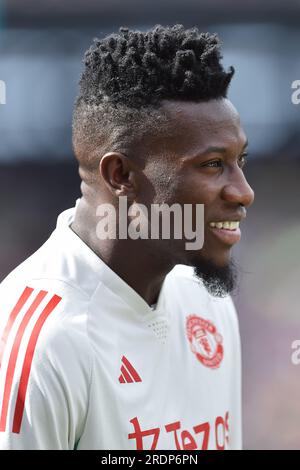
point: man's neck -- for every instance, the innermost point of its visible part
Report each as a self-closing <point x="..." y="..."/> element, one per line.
<point x="132" y="260"/>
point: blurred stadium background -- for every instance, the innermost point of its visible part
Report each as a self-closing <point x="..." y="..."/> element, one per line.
<point x="41" y="47"/>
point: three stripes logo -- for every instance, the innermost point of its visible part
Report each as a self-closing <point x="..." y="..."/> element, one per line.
<point x="128" y="372"/>
<point x="24" y="324"/>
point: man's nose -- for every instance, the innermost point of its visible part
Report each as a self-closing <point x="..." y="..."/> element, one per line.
<point x="237" y="189"/>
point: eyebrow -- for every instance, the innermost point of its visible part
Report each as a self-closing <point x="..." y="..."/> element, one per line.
<point x="214" y="149"/>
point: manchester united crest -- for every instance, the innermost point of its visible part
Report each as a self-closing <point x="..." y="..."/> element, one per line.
<point x="205" y="341"/>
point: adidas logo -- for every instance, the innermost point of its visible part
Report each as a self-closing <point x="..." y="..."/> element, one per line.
<point x="128" y="372"/>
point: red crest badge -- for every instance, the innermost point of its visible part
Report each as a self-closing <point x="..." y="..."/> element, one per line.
<point x="205" y="341"/>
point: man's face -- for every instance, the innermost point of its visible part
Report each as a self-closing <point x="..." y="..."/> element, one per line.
<point x="200" y="161"/>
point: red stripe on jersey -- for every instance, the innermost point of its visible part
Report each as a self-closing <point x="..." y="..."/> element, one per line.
<point x="128" y="377"/>
<point x="14" y="355"/>
<point x="10" y="322"/>
<point x="131" y="369"/>
<point x="28" y="361"/>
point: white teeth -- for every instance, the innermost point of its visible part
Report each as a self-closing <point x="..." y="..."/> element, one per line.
<point x="227" y="224"/>
<point x="234" y="225"/>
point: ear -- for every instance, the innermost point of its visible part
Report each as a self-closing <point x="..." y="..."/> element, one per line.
<point x="119" y="174"/>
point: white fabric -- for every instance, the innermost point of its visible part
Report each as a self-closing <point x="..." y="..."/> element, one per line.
<point x="74" y="397"/>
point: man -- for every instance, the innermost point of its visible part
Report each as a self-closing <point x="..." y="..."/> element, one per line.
<point x="101" y="348"/>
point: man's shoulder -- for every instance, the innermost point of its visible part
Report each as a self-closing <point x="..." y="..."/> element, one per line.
<point x="63" y="260"/>
<point x="48" y="316"/>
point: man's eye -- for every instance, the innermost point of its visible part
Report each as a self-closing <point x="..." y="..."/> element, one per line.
<point x="243" y="159"/>
<point x="213" y="164"/>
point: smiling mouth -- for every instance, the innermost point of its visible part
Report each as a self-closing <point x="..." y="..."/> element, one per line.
<point x="228" y="232"/>
<point x="227" y="225"/>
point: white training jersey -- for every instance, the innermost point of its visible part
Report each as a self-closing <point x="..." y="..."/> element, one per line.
<point x="86" y="363"/>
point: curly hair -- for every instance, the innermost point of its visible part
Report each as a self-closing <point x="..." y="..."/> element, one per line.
<point x="128" y="74"/>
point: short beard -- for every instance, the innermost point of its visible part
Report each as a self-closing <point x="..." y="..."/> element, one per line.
<point x="219" y="281"/>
